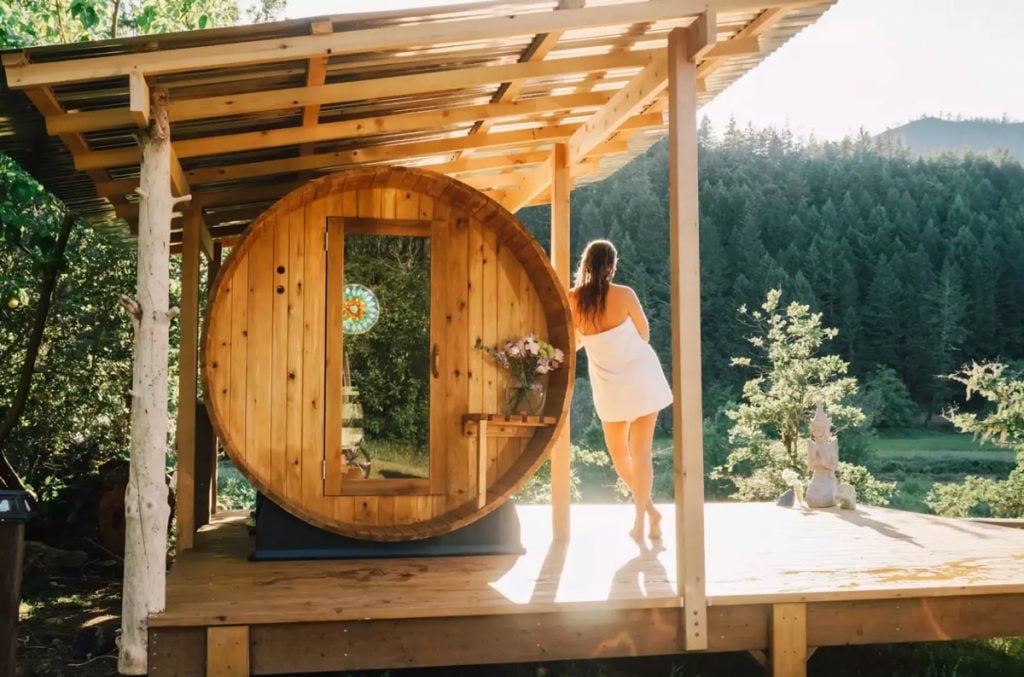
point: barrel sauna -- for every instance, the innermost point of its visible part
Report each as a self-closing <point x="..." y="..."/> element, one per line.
<point x="274" y="353"/>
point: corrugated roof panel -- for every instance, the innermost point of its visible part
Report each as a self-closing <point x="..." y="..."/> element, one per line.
<point x="22" y="131"/>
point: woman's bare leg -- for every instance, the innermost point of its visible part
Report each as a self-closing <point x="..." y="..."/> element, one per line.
<point x="616" y="438"/>
<point x="641" y="440"/>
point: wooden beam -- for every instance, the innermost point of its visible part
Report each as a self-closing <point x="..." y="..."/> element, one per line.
<point x="227" y="651"/>
<point x="46" y="103"/>
<point x="206" y="244"/>
<point x="403" y="122"/>
<point x="789" y="640"/>
<point x="188" y="370"/>
<point x="353" y="42"/>
<point x="761" y="23"/>
<point x="687" y="417"/>
<point x="138" y="99"/>
<point x="316" y="73"/>
<point x="533" y="186"/>
<point x="402" y="85"/>
<point x="135" y="115"/>
<point x="639" y="93"/>
<point x="701" y="35"/>
<point x="376" y="154"/>
<point x="561" y="478"/>
<point x="734" y="47"/>
<point x="179" y="182"/>
<point x="481" y="464"/>
<point x="263" y="194"/>
<point x="538" y="50"/>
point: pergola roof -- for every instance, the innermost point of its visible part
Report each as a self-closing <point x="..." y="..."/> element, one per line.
<point x="478" y="91"/>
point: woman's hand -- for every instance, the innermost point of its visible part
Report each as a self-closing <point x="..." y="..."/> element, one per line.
<point x="636" y="312"/>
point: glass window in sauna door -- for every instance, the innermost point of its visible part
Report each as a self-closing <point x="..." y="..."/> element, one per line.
<point x="384" y="417"/>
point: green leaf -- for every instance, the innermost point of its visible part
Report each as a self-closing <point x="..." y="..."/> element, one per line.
<point x="203" y="20"/>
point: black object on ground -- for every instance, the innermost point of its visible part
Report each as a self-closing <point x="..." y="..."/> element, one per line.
<point x="787" y="500"/>
<point x="14" y="512"/>
<point x="282" y="536"/>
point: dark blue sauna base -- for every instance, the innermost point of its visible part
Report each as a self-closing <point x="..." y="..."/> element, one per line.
<point x="279" y="535"/>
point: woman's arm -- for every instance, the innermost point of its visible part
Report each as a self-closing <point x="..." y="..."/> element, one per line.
<point x="572" y="313"/>
<point x="636" y="312"/>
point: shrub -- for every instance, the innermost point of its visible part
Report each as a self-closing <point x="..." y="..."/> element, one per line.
<point x="791" y="379"/>
<point x="1002" y="424"/>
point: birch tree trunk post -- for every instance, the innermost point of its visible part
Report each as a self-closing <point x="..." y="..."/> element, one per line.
<point x="146" y="509"/>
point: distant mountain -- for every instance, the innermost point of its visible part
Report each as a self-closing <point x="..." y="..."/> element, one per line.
<point x="932" y="135"/>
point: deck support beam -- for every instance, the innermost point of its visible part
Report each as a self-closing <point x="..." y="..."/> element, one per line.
<point x="188" y="365"/>
<point x="560" y="458"/>
<point x="687" y="417"/>
<point x="789" y="640"/>
<point x="227" y="651"/>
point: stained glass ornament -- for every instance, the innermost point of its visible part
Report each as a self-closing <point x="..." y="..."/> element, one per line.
<point x="360" y="309"/>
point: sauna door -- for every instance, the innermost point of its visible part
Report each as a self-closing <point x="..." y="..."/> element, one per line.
<point x="382" y="347"/>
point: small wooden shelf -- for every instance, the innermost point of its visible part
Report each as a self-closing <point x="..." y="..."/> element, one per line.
<point x="482" y="426"/>
<point x="511" y="419"/>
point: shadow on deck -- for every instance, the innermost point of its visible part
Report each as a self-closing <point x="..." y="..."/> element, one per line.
<point x="874" y="575"/>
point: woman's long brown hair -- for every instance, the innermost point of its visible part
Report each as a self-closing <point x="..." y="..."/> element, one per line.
<point x="593" y="277"/>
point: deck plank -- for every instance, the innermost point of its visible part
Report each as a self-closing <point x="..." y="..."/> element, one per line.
<point x="757" y="554"/>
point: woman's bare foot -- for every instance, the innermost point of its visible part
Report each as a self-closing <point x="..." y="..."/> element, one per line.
<point x="655" y="532"/>
<point x="637" y="532"/>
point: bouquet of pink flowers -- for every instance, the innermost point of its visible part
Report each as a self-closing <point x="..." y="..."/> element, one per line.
<point x="526" y="358"/>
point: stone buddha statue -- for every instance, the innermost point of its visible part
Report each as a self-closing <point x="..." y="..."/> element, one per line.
<point x="824" y="490"/>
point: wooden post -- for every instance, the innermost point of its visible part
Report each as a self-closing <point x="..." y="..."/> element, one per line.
<point x="227" y="651"/>
<point x="560" y="461"/>
<point x="481" y="464"/>
<point x="687" y="418"/>
<point x="146" y="509"/>
<point x="187" y="375"/>
<point x="789" y="640"/>
<point x="12" y="554"/>
<point x="213" y="269"/>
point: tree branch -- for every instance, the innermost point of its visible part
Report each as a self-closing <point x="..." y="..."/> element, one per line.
<point x="113" y="21"/>
<point x="8" y="476"/>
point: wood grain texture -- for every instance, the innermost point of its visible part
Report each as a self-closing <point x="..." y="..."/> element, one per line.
<point x="789" y="640"/>
<point x="274" y="411"/>
<point x="227" y="651"/>
<point x="684" y="253"/>
<point x="888" y="576"/>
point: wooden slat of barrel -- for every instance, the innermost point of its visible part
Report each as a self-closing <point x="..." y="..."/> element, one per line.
<point x="236" y="404"/>
<point x="295" y="372"/>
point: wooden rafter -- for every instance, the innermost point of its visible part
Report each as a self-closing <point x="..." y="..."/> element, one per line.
<point x="361" y="90"/>
<point x="639" y="93"/>
<point x="538" y="50"/>
<point x="352" y="42"/>
<point x="388" y="124"/>
<point x="265" y="193"/>
<point x="747" y="37"/>
<point x="394" y="152"/>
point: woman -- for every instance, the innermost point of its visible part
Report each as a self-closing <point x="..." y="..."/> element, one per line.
<point x="625" y="375"/>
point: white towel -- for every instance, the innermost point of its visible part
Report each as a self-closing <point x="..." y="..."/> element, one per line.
<point x="625" y="374"/>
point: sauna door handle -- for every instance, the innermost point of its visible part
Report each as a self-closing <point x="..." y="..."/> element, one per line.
<point x="435" y="356"/>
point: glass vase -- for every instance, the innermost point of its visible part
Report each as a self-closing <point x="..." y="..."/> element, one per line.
<point x="524" y="398"/>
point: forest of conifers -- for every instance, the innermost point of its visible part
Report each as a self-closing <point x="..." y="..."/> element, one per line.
<point x="919" y="263"/>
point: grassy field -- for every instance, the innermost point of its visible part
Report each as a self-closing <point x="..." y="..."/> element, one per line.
<point x="918" y="458"/>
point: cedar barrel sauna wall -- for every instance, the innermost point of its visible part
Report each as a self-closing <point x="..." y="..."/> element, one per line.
<point x="264" y="349"/>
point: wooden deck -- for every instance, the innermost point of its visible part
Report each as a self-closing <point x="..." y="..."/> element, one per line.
<point x="874" y="575"/>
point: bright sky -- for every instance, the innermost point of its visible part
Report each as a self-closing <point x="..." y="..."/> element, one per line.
<point x="867" y="63"/>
